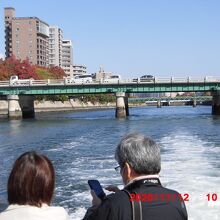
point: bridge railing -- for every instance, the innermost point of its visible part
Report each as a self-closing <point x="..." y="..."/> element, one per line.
<point x="179" y="80"/>
<point x="212" y="79"/>
<point x="196" y="79"/>
<point x="39" y="82"/>
<point x="57" y="82"/>
<point x="4" y="83"/>
<point x="163" y="80"/>
<point x="51" y="82"/>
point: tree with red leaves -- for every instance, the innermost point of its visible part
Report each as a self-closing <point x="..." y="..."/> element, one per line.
<point x="57" y="72"/>
<point x="24" y="70"/>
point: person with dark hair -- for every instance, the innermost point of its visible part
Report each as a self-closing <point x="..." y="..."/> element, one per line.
<point x="30" y="190"/>
<point x="143" y="197"/>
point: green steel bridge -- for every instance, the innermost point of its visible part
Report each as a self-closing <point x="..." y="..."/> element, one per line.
<point x="20" y="93"/>
<point x="161" y="85"/>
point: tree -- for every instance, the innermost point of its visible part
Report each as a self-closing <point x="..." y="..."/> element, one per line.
<point x="57" y="72"/>
<point x="24" y="70"/>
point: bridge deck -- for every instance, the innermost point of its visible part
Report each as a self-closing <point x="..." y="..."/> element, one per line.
<point x="46" y="87"/>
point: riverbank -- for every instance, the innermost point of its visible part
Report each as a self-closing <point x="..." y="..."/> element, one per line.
<point x="77" y="105"/>
<point x="48" y="106"/>
<point x="56" y="106"/>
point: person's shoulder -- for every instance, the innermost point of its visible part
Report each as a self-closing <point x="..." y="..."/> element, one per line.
<point x="56" y="208"/>
<point x="27" y="211"/>
<point x="57" y="211"/>
<point x="118" y="197"/>
<point x="173" y="191"/>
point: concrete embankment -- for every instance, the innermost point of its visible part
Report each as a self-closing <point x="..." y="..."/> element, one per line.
<point x="3" y="107"/>
<point x="45" y="106"/>
<point x="68" y="105"/>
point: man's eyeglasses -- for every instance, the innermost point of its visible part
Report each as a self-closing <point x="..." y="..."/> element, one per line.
<point x="117" y="169"/>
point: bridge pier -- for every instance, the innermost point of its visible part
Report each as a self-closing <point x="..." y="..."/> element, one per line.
<point x="126" y="105"/>
<point x="121" y="105"/>
<point x="194" y="103"/>
<point x="27" y="106"/>
<point x="216" y="103"/>
<point x="14" y="109"/>
<point x="159" y="103"/>
<point x="20" y="106"/>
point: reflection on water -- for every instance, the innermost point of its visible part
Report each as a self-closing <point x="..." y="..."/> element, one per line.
<point x="81" y="145"/>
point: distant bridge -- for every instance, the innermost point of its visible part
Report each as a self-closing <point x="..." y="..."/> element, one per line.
<point x="194" y="100"/>
<point x="167" y="99"/>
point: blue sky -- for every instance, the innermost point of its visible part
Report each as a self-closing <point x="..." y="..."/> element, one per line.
<point x="134" y="37"/>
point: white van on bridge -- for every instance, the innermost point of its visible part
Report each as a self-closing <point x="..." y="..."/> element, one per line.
<point x="112" y="79"/>
<point x="79" y="79"/>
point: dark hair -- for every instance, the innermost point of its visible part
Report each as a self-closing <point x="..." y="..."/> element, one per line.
<point x="31" y="181"/>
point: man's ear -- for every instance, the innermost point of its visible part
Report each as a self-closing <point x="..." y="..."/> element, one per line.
<point x="128" y="171"/>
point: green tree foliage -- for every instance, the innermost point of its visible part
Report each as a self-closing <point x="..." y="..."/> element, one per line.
<point x="52" y="98"/>
<point x="50" y="73"/>
<point x="96" y="98"/>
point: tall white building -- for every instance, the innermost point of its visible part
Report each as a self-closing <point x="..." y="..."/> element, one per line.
<point x="55" y="46"/>
<point x="67" y="57"/>
<point x="79" y="70"/>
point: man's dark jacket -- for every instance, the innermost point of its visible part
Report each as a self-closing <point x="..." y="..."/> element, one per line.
<point x="167" y="204"/>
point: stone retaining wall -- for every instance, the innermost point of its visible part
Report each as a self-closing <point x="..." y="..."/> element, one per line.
<point x="41" y="106"/>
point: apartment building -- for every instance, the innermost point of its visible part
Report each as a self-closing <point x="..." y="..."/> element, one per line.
<point x="67" y="57"/>
<point x="55" y="46"/>
<point x="79" y="70"/>
<point x="9" y="14"/>
<point x="26" y="37"/>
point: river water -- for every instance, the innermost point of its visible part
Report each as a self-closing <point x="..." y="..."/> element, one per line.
<point x="81" y="146"/>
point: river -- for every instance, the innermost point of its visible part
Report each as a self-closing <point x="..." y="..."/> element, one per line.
<point x="81" y="146"/>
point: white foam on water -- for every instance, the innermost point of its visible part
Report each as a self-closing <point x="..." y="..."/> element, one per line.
<point x="65" y="146"/>
<point x="187" y="166"/>
<point x="75" y="192"/>
<point x="78" y="214"/>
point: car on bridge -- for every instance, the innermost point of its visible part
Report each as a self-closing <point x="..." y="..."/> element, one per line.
<point x="79" y="79"/>
<point x="15" y="81"/>
<point x="145" y="78"/>
<point x="112" y="79"/>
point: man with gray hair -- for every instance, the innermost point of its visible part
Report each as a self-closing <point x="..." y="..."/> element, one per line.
<point x="143" y="197"/>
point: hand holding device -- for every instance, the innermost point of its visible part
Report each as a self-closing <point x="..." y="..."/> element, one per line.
<point x="96" y="187"/>
<point x="112" y="188"/>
